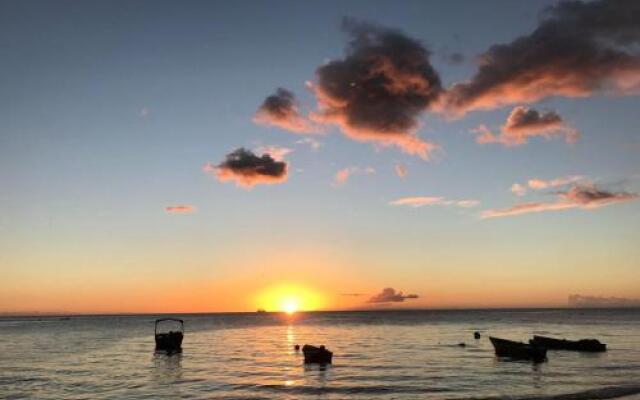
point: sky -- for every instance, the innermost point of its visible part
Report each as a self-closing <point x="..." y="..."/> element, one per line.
<point x="163" y="156"/>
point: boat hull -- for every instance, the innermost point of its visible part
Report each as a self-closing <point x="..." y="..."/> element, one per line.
<point x="585" y="345"/>
<point x="518" y="350"/>
<point x="316" y="355"/>
<point x="171" y="341"/>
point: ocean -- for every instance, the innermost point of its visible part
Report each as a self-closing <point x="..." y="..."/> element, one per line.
<point x="377" y="355"/>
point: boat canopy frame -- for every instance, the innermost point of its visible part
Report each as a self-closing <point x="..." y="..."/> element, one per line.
<point x="169" y="319"/>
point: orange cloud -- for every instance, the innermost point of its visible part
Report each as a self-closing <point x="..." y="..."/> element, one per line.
<point x="247" y="169"/>
<point x="578" y="49"/>
<point x="540" y="184"/>
<point x="585" y="196"/>
<point x="180" y="209"/>
<point x="281" y="110"/>
<point x="524" y="123"/>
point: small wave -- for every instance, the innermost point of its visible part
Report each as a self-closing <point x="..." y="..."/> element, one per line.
<point x="608" y="392"/>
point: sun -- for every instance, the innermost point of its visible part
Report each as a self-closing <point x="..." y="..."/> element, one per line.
<point x="289" y="299"/>
<point x="290" y="306"/>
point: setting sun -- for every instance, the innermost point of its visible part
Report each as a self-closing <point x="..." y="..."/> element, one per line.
<point x="289" y="299"/>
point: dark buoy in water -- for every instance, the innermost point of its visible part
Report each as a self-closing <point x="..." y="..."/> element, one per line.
<point x="476" y="335"/>
<point x="296" y="347"/>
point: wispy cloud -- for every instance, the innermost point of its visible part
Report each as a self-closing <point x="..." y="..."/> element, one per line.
<point x="277" y="152"/>
<point x="421" y="201"/>
<point x="310" y="142"/>
<point x="540" y="184"/>
<point x="582" y="196"/>
<point x="343" y="175"/>
<point x="401" y="170"/>
<point x="389" y="295"/>
<point x="180" y="209"/>
<point x="247" y="169"/>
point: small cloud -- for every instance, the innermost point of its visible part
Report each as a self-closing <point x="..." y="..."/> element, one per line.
<point x="580" y="301"/>
<point x="352" y="294"/>
<point x="311" y="142"/>
<point x="389" y="295"/>
<point x="583" y="196"/>
<point x="281" y="110"/>
<point x="524" y="123"/>
<point x="180" y="209"/>
<point x="344" y="174"/>
<point x="248" y="169"/>
<point x="518" y="189"/>
<point x="421" y="201"/>
<point x="401" y="170"/>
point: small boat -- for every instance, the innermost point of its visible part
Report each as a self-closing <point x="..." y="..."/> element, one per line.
<point x="518" y="350"/>
<point x="169" y="340"/>
<point x="316" y="355"/>
<point x="588" y="345"/>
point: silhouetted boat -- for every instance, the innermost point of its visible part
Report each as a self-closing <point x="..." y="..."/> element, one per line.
<point x="518" y="350"/>
<point x="171" y="340"/>
<point x="590" y="345"/>
<point x="316" y="355"/>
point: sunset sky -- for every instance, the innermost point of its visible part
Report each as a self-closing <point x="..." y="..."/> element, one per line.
<point x="167" y="156"/>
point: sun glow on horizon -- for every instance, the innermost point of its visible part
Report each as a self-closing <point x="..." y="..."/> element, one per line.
<point x="289" y="299"/>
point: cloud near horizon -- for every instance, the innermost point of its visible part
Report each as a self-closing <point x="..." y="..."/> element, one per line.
<point x="379" y="90"/>
<point x="180" y="209"/>
<point x="580" y="301"/>
<point x="524" y="123"/>
<point x="421" y="201"/>
<point x="582" y="196"/>
<point x="389" y="295"/>
<point x="247" y="169"/>
<point x="578" y="49"/>
<point x="281" y="109"/>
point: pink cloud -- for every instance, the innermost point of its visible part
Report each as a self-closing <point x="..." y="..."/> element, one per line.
<point x="582" y="196"/>
<point x="180" y="209"/>
<point x="281" y="110"/>
<point x="525" y="123"/>
<point x="401" y="170"/>
<point x="344" y="174"/>
<point x="421" y="201"/>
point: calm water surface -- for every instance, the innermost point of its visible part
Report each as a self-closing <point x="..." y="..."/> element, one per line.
<point x="377" y="355"/>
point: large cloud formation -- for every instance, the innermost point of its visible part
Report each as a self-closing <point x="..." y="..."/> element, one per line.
<point x="584" y="196"/>
<point x="389" y="295"/>
<point x="281" y="110"/>
<point x="379" y="90"/>
<point x="579" y="48"/>
<point x="524" y="123"/>
<point x="248" y="169"/>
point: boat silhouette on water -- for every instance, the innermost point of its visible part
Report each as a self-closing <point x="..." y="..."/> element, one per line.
<point x="316" y="355"/>
<point x="586" y="345"/>
<point x="169" y="340"/>
<point x="517" y="350"/>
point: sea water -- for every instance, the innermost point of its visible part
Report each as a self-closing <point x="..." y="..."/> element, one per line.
<point x="377" y="355"/>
